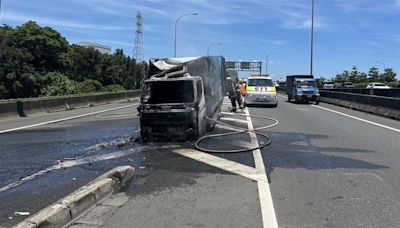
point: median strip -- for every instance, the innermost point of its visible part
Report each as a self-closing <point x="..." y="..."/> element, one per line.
<point x="72" y="206"/>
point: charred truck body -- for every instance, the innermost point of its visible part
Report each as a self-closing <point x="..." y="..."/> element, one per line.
<point x="181" y="97"/>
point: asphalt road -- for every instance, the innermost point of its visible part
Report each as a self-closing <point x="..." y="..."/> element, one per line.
<point x="324" y="169"/>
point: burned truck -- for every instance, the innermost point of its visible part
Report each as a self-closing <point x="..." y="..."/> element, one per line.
<point x="181" y="98"/>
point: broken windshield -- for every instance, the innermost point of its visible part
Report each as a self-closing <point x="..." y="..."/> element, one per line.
<point x="164" y="92"/>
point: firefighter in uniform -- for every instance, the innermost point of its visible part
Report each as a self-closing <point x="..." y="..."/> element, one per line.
<point x="242" y="87"/>
<point x="232" y="91"/>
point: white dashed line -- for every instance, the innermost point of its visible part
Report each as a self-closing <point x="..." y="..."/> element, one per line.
<point x="221" y="163"/>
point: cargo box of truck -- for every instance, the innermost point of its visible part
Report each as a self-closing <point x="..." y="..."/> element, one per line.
<point x="181" y="97"/>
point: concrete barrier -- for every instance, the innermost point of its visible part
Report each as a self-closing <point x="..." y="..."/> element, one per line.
<point x="8" y="109"/>
<point x="72" y="206"/>
<point x="383" y="106"/>
<point x="26" y="107"/>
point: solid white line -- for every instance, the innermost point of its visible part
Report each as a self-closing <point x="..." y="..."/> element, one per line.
<point x="64" y="119"/>
<point x="221" y="163"/>
<point x="357" y="118"/>
<point x="228" y="113"/>
<point x="234" y="120"/>
<point x="264" y="192"/>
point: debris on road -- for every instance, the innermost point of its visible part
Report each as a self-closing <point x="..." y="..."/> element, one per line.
<point x="23" y="213"/>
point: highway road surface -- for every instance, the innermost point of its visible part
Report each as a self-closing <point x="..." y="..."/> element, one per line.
<point x="327" y="166"/>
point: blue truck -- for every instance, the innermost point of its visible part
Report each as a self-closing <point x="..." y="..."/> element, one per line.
<point x="302" y="88"/>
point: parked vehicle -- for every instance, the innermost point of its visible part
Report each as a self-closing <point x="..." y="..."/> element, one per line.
<point x="302" y="88"/>
<point x="327" y="85"/>
<point x="348" y="85"/>
<point x="261" y="90"/>
<point x="377" y="85"/>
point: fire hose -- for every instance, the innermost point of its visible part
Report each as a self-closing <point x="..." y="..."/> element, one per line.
<point x="239" y="130"/>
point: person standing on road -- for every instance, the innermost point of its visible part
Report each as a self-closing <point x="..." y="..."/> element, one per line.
<point x="238" y="95"/>
<point x="231" y="90"/>
<point x="242" y="87"/>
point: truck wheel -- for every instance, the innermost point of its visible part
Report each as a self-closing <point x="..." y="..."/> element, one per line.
<point x="296" y="99"/>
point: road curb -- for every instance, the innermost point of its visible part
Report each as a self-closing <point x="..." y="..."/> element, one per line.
<point x="70" y="207"/>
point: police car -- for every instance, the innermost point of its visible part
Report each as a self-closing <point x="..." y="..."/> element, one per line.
<point x="261" y="90"/>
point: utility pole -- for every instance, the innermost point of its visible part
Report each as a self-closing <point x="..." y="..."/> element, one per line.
<point x="208" y="49"/>
<point x="312" y="39"/>
<point x="176" y="23"/>
<point x="1" y="16"/>
<point x="384" y="65"/>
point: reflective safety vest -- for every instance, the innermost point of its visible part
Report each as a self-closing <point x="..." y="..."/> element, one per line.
<point x="242" y="89"/>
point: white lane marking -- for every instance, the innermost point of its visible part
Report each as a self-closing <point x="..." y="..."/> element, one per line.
<point x="64" y="119"/>
<point x="225" y="127"/>
<point x="234" y="120"/>
<point x="264" y="192"/>
<point x="72" y="163"/>
<point x="227" y="113"/>
<point x="221" y="163"/>
<point x="357" y="118"/>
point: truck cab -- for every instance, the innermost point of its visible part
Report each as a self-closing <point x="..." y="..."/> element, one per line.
<point x="302" y="88"/>
<point x="182" y="97"/>
<point x="166" y="113"/>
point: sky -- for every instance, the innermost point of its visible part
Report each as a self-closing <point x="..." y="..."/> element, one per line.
<point x="362" y="33"/>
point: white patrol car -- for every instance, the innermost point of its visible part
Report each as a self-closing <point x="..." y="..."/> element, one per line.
<point x="261" y="90"/>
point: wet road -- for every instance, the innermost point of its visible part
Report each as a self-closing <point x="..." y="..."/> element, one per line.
<point x="324" y="169"/>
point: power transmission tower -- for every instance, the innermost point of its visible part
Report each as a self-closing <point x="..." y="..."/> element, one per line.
<point x="138" y="51"/>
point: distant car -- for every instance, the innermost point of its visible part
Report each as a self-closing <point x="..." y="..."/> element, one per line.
<point x="348" y="85"/>
<point x="327" y="85"/>
<point x="377" y="85"/>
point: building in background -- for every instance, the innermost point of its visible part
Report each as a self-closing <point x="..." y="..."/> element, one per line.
<point x="104" y="49"/>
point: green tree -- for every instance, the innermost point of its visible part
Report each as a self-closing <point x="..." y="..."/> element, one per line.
<point x="373" y="74"/>
<point x="343" y="77"/>
<point x="32" y="57"/>
<point x="59" y="85"/>
<point x="357" y="76"/>
<point x="89" y="86"/>
<point x="44" y="43"/>
<point x="389" y="75"/>
<point x="83" y="63"/>
<point x="15" y="70"/>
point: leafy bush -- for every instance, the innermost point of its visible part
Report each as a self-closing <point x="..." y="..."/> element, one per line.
<point x="3" y="92"/>
<point x="89" y="86"/>
<point x="59" y="85"/>
<point x="113" y="88"/>
<point x="394" y="84"/>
